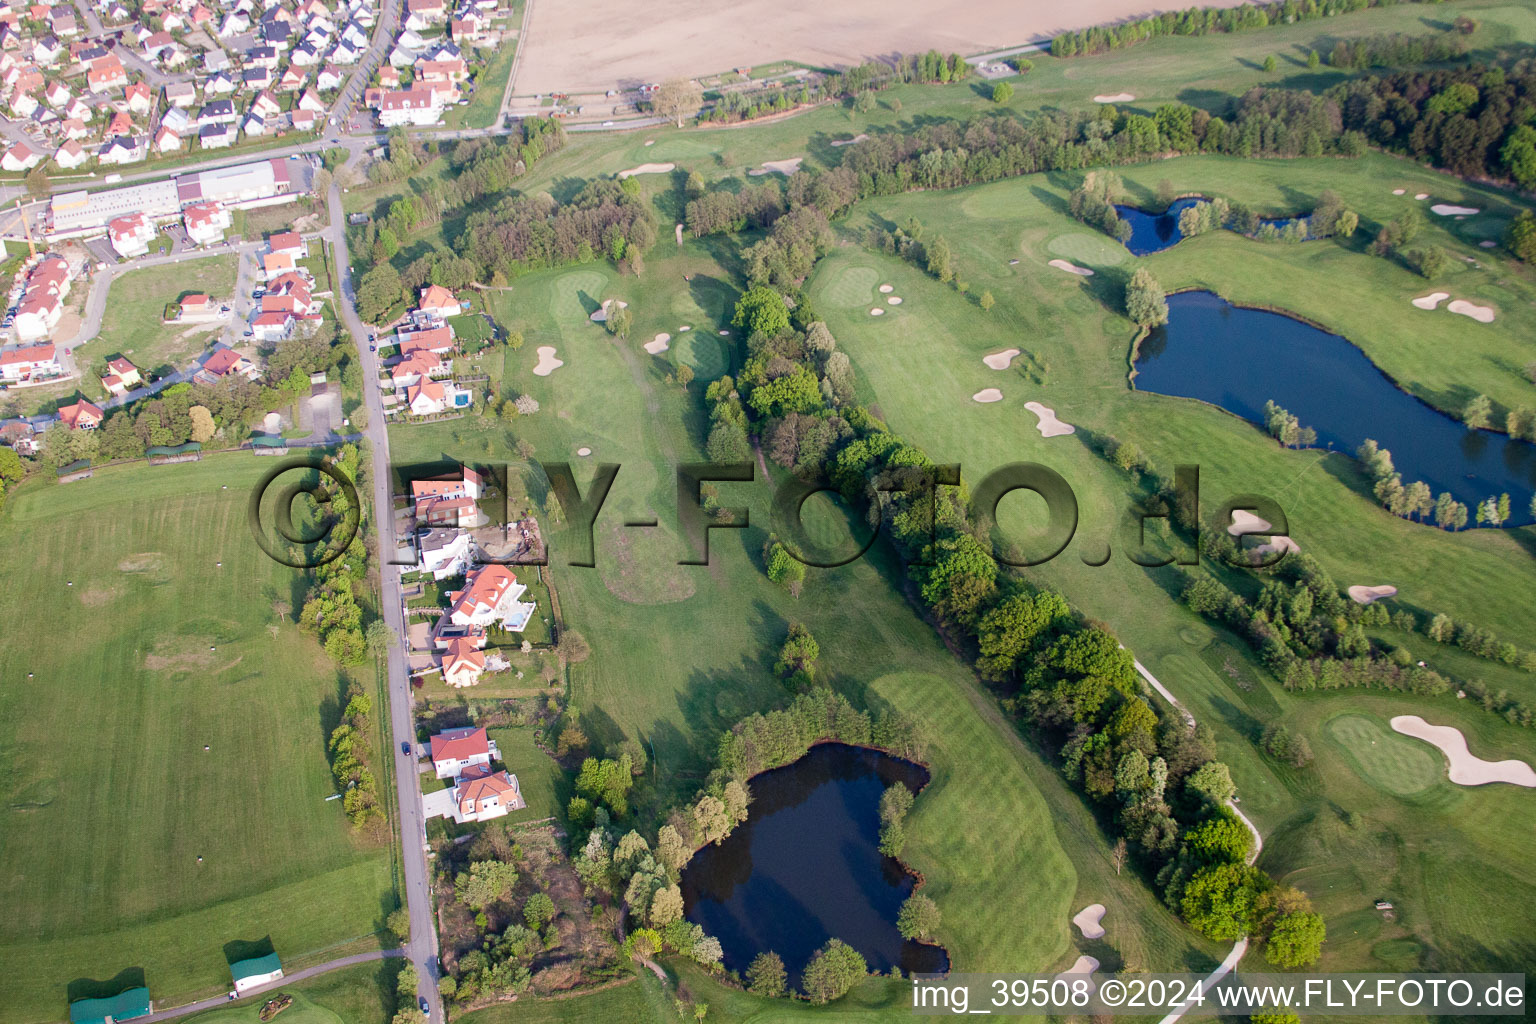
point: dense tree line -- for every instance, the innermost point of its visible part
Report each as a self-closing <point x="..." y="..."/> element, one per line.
<point x="858" y="83"/>
<point x="1311" y="636"/>
<point x="351" y="754"/>
<point x="1200" y="21"/>
<point x="1469" y="120"/>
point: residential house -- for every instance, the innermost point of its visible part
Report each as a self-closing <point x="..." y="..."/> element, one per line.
<point x="416" y="367"/>
<point x="180" y="94"/>
<point x="22" y="104"/>
<point x="444" y="552"/>
<point x="20" y="157"/>
<point x="448" y="71"/>
<point x="106" y="74"/>
<point x="468" y="28"/>
<point x="47" y="51"/>
<point x="304" y="120"/>
<point x="455" y="751"/>
<point x="131" y="234"/>
<point x="311" y="101"/>
<point x="347" y="52"/>
<point x="80" y="110"/>
<point x="329" y="78"/>
<point x="291" y="80"/>
<point x="222" y="363"/>
<point x="426" y="398"/>
<point x="479" y="795"/>
<point x="71" y="155"/>
<point x="138" y="97"/>
<point x="57" y="95"/>
<point x="253" y="125"/>
<point x="262" y="57"/>
<point x="389" y="77"/>
<point x="206" y="222"/>
<point x="423" y="14"/>
<point x="439" y="302"/>
<point x="166" y="140"/>
<point x="265" y="105"/>
<point x="122" y="150"/>
<point x="290" y="243"/>
<point x="221" y="83"/>
<point x="73" y="129"/>
<point x="255" y="78"/>
<point x="490" y="596"/>
<point x="438" y="339"/>
<point x="272" y="326"/>
<point x="120" y="124"/>
<point x="42" y="299"/>
<point x="83" y="414"/>
<point x="217" y="136"/>
<point x="30" y="361"/>
<point x="305" y="55"/>
<point x="276" y="264"/>
<point x="463" y="663"/>
<point x="20" y="436"/>
<point x="122" y="377"/>
<point x="217" y="112"/>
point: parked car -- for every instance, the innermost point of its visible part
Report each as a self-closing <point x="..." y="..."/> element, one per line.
<point x="424" y="1007"/>
<point x="405" y="746"/>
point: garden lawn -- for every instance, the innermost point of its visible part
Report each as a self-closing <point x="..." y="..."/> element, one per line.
<point x="129" y="649"/>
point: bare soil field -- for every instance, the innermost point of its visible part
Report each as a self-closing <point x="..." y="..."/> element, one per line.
<point x="583" y="45"/>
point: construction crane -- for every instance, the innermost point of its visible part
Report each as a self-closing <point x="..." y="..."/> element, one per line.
<point x="25" y="229"/>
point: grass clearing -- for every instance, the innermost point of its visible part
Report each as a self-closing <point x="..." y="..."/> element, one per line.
<point x="111" y="796"/>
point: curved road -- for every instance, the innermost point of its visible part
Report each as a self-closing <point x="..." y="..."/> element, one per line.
<point x="1240" y="947"/>
<point x="287" y="979"/>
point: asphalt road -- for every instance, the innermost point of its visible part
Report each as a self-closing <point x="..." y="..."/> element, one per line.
<point x="418" y="896"/>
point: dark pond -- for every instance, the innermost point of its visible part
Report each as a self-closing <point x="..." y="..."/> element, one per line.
<point x="1240" y="358"/>
<point x="806" y="867"/>
<point x="1154" y="232"/>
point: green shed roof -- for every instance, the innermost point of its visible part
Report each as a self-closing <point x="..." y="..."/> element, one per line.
<point x="124" y="1006"/>
<point x="180" y="449"/>
<point x="254" y="966"/>
<point x="268" y="441"/>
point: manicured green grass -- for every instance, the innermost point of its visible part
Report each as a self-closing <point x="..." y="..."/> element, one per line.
<point x="1382" y="757"/>
<point x="920" y="363"/>
<point x="681" y="652"/>
<point x="129" y="649"/>
<point x="538" y="775"/>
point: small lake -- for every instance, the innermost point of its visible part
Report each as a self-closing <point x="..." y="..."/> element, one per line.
<point x="806" y="867"/>
<point x="1154" y="232"/>
<point x="1239" y="358"/>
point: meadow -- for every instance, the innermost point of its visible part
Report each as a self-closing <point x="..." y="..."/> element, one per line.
<point x="162" y="744"/>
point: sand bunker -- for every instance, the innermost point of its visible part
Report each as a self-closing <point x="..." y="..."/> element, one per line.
<point x="650" y="142"/>
<point x="601" y="316"/>
<point x="1487" y="243"/>
<point x="1279" y="546"/>
<point x="1087" y="921"/>
<point x="877" y="311"/>
<point x="685" y="327"/>
<point x="1431" y="300"/>
<point x="886" y="289"/>
<point x="1482" y="314"/>
<point x="1447" y="210"/>
<point x="1000" y="360"/>
<point x="1071" y="268"/>
<point x="1370" y="595"/>
<point x="1049" y="425"/>
<point x="1466" y="770"/>
<point x="849" y="142"/>
<point x="784" y="167"/>
<point x="1422" y="196"/>
<point x="1082" y="966"/>
<point x="724" y="333"/>
<point x="678" y="233"/>
<point x="548" y="364"/>
<point x="894" y="300"/>
<point x="659" y="343"/>
<point x="648" y="169"/>
<point x="987" y="395"/>
<point x="1119" y="97"/>
<point x="1244" y="521"/>
<point x="583" y="452"/>
<point x="1399" y="191"/>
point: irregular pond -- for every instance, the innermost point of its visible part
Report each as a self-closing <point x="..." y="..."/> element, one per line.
<point x="1240" y="358"/>
<point x="806" y="867"/>
<point x="1154" y="232"/>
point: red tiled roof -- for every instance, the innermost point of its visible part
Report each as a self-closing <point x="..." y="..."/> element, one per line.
<point x="459" y="744"/>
